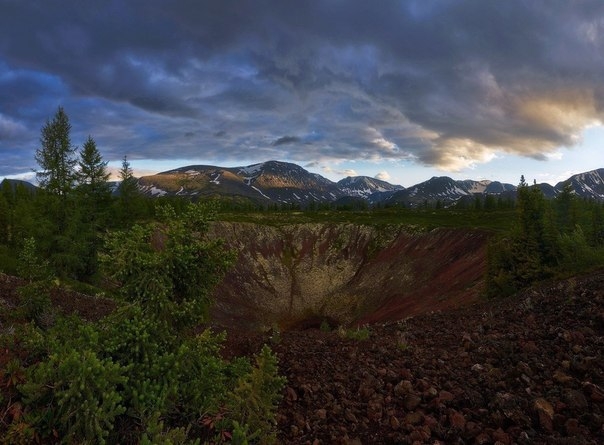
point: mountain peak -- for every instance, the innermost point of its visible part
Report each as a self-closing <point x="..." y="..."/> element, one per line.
<point x="365" y="186"/>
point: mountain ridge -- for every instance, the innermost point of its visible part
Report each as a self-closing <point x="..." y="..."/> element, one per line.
<point x="287" y="183"/>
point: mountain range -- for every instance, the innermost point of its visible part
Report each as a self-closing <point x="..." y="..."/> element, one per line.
<point x="286" y="183"/>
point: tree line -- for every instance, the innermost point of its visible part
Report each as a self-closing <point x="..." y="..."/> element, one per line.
<point x="73" y="206"/>
<point x="549" y="238"/>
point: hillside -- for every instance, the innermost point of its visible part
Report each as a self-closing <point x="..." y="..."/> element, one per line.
<point x="262" y="183"/>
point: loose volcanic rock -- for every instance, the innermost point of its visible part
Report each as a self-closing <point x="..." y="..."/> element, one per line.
<point x="523" y="370"/>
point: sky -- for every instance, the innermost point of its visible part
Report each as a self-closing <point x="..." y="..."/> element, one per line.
<point x="398" y="90"/>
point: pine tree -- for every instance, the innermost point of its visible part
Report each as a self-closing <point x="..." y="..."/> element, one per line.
<point x="56" y="156"/>
<point x="25" y="221"/>
<point x="8" y="192"/>
<point x="7" y="204"/>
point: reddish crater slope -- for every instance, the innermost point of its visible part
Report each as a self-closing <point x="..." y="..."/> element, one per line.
<point x="298" y="275"/>
<point x="525" y="370"/>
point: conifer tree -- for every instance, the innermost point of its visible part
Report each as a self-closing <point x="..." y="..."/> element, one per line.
<point x="566" y="209"/>
<point x="92" y="174"/>
<point x="8" y="192"/>
<point x="7" y="204"/>
<point x="57" y="177"/>
<point x="56" y="156"/>
<point x="92" y="204"/>
<point x="128" y="194"/>
<point x="5" y="213"/>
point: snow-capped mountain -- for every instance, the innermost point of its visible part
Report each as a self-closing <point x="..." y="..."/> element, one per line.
<point x="285" y="183"/>
<point x="447" y="191"/>
<point x="266" y="182"/>
<point x="364" y="186"/>
<point x="588" y="185"/>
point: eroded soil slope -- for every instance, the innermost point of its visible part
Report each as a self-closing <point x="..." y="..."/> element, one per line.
<point x="295" y="276"/>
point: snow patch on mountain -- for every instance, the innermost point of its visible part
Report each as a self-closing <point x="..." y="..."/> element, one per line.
<point x="251" y="170"/>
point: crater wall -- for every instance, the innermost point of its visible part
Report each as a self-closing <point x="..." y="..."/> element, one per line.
<point x="298" y="275"/>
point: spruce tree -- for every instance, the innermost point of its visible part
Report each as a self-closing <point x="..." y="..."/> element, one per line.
<point x="7" y="204"/>
<point x="93" y="198"/>
<point x="566" y="209"/>
<point x="92" y="174"/>
<point x="8" y="192"/>
<point x="128" y="202"/>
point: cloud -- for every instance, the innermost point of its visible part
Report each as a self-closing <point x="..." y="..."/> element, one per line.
<point x="443" y="84"/>
<point x="338" y="172"/>
<point x="10" y="129"/>
<point x="285" y="140"/>
<point x="383" y="176"/>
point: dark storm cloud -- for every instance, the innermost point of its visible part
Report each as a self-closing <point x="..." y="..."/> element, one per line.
<point x="285" y="140"/>
<point x="444" y="83"/>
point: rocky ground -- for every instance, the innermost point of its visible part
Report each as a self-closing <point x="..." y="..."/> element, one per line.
<point x="526" y="370"/>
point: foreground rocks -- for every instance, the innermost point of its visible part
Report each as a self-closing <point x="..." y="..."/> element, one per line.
<point x="526" y="370"/>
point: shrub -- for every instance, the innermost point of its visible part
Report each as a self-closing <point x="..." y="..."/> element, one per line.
<point x="30" y="265"/>
<point x="141" y="368"/>
<point x="204" y="378"/>
<point x="76" y="394"/>
<point x="354" y="334"/>
<point x="577" y="254"/>
<point x="36" y="304"/>
<point x="146" y="349"/>
<point x="168" y="267"/>
<point x="325" y="327"/>
<point x="254" y="401"/>
<point x="8" y="260"/>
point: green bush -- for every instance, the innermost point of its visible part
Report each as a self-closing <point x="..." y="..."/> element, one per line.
<point x="8" y="260"/>
<point x="31" y="266"/>
<point x="146" y="349"/>
<point x="577" y="254"/>
<point x="254" y="401"/>
<point x="76" y="394"/>
<point x="35" y="303"/>
<point x="325" y="327"/>
<point x="168" y="267"/>
<point x="157" y="433"/>
<point x="204" y="378"/>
